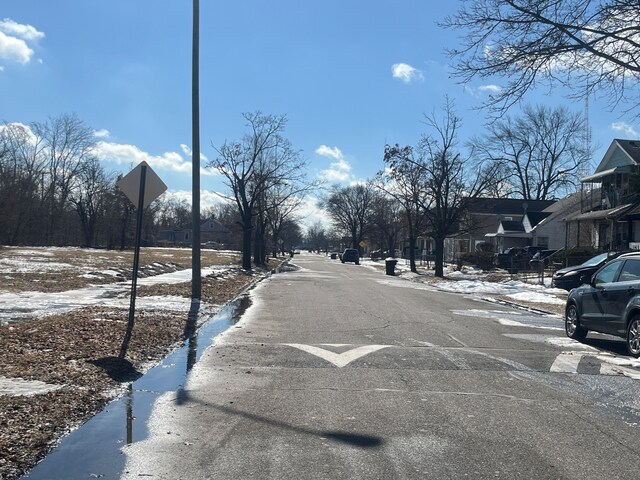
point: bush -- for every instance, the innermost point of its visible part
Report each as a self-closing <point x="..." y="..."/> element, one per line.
<point x="481" y="260"/>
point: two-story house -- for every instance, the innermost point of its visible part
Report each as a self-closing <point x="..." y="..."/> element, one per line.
<point x="610" y="202"/>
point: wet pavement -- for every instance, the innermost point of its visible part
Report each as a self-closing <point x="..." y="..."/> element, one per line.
<point x="94" y="449"/>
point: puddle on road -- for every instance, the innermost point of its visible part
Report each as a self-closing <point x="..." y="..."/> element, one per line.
<point x="94" y="449"/>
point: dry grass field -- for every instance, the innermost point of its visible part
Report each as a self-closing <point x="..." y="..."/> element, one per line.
<point x="72" y="355"/>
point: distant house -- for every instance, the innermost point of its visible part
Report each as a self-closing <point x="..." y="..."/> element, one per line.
<point x="609" y="217"/>
<point x="212" y="234"/>
<point x="547" y="228"/>
<point x="497" y="222"/>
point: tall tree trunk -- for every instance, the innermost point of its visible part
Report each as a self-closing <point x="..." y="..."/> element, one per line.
<point x="439" y="241"/>
<point x="412" y="253"/>
<point x="247" y="233"/>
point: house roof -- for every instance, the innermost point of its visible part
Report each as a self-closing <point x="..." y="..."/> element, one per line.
<point x="631" y="148"/>
<point x="508" y="206"/>
<point x="610" y="213"/>
<point x="633" y="213"/>
<point x="536" y="217"/>
<point x="620" y="153"/>
<point x="512" y="226"/>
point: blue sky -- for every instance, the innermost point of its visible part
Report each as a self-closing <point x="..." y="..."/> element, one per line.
<point x="351" y="75"/>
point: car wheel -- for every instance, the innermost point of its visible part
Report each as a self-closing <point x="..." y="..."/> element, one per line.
<point x="633" y="336"/>
<point x="342" y="261"/>
<point x="357" y="263"/>
<point x="572" y="323"/>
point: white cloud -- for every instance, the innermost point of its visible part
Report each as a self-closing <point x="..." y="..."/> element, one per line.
<point x="625" y="128"/>
<point x="14" y="38"/>
<point x="103" y="133"/>
<point x="325" y="151"/>
<point x="14" y="49"/>
<point x="19" y="129"/>
<point x="122" y="154"/>
<point x="207" y="198"/>
<point x="338" y="171"/>
<point x="310" y="213"/>
<point x="25" y="32"/>
<point x="186" y="149"/>
<point x="490" y="88"/>
<point x="406" y="72"/>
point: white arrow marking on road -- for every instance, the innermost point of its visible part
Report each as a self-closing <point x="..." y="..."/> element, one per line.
<point x="338" y="359"/>
<point x="566" y="363"/>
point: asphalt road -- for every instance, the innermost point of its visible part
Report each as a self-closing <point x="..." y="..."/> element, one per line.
<point x="338" y="371"/>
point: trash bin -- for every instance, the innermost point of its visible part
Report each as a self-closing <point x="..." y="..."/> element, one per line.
<point x="390" y="265"/>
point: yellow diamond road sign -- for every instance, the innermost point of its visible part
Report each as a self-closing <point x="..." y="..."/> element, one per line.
<point x="153" y="186"/>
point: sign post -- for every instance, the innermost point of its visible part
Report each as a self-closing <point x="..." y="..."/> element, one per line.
<point x="142" y="186"/>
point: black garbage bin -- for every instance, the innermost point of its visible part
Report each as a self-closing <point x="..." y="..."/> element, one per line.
<point x="390" y="265"/>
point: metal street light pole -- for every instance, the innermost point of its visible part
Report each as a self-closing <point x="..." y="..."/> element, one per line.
<point x="195" y="119"/>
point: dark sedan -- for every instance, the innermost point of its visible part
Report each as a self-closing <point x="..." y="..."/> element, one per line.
<point x="610" y="303"/>
<point x="572" y="277"/>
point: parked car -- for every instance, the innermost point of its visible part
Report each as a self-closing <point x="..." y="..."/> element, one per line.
<point x="541" y="259"/>
<point x="572" y="277"/>
<point x="610" y="303"/>
<point x="350" y="255"/>
<point x="377" y="255"/>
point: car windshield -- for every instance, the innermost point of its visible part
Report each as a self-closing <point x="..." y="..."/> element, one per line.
<point x="596" y="260"/>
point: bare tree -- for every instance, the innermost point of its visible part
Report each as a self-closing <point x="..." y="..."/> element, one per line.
<point x="538" y="153"/>
<point x="351" y="210"/>
<point x="90" y="197"/>
<point x="291" y="235"/>
<point x="251" y="167"/>
<point x="437" y="181"/>
<point x="21" y="172"/>
<point x="405" y="180"/>
<point x="281" y="204"/>
<point x="67" y="142"/>
<point x="388" y="221"/>
<point x="173" y="213"/>
<point x="316" y="237"/>
<point x="591" y="43"/>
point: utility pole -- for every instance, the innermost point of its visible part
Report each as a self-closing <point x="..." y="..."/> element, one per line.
<point x="195" y="160"/>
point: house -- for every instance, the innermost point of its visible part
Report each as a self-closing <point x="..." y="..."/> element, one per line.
<point x="212" y="233"/>
<point x="609" y="217"/>
<point x="548" y="228"/>
<point x="498" y="224"/>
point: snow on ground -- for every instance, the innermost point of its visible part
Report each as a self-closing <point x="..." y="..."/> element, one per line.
<point x="19" y="387"/>
<point x="471" y="281"/>
<point x="25" y="305"/>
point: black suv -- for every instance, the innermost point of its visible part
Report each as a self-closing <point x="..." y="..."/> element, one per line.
<point x="610" y="303"/>
<point x="350" y="255"/>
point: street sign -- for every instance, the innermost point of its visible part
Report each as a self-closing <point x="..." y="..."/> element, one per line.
<point x="142" y="186"/>
<point x="130" y="185"/>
